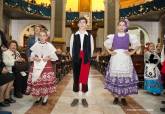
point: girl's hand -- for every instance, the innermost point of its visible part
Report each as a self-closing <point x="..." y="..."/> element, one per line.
<point x="112" y="53"/>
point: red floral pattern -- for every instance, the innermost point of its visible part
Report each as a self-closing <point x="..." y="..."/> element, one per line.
<point x="45" y="85"/>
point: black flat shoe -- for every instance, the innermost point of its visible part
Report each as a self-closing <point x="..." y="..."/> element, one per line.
<point x="156" y="94"/>
<point x="3" y="104"/>
<point x="163" y="102"/>
<point x="74" y="102"/>
<point x="115" y="101"/>
<point x="18" y="95"/>
<point x="123" y="102"/>
<point x="44" y="103"/>
<point x="38" y="101"/>
<point x="84" y="102"/>
<point x="162" y="109"/>
<point x="10" y="100"/>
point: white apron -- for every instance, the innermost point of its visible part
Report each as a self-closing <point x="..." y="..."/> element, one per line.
<point x="151" y="71"/>
<point x="37" y="69"/>
<point x="121" y="64"/>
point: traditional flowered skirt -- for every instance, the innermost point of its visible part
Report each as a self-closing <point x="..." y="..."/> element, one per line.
<point x="152" y="82"/>
<point x="121" y="78"/>
<point x="45" y="84"/>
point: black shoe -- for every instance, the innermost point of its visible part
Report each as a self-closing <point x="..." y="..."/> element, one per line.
<point x="3" y="104"/>
<point x="18" y="95"/>
<point x="74" y="102"/>
<point x="44" y="103"/>
<point x="156" y="94"/>
<point x="26" y="93"/>
<point x="123" y="102"/>
<point x="10" y="100"/>
<point x="162" y="109"/>
<point x="38" y="101"/>
<point x="84" y="102"/>
<point x="163" y="102"/>
<point x="115" y="101"/>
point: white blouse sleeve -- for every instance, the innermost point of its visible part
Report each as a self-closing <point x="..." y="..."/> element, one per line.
<point x="134" y="41"/>
<point x="108" y="42"/>
<point x="71" y="44"/>
<point x="53" y="55"/>
<point x="92" y="45"/>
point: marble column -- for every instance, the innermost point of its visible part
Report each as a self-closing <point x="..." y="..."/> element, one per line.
<point x="111" y="16"/>
<point x="1" y="14"/>
<point x="58" y="23"/>
<point x="60" y="18"/>
<point x="52" y="25"/>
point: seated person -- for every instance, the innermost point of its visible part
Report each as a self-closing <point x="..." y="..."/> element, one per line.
<point x="5" y="78"/>
<point x="10" y="57"/>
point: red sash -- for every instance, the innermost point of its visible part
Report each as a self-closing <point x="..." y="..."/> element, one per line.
<point x="84" y="71"/>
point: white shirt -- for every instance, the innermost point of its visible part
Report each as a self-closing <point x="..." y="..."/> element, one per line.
<point x="82" y="41"/>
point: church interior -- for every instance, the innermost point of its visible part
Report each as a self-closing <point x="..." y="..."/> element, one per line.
<point x="145" y="19"/>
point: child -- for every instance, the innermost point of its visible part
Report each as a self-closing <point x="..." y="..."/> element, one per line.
<point x="41" y="81"/>
<point x="152" y="75"/>
<point x="81" y="51"/>
<point x="121" y="78"/>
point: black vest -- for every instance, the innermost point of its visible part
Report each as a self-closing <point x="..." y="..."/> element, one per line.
<point x="77" y="46"/>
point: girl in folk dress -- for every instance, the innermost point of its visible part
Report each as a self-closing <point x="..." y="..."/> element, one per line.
<point x="152" y="75"/>
<point x="41" y="80"/>
<point x="121" y="78"/>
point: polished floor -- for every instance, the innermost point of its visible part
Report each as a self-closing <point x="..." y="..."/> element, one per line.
<point x="99" y="99"/>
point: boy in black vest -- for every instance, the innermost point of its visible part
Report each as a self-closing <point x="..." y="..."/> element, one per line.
<point x="81" y="50"/>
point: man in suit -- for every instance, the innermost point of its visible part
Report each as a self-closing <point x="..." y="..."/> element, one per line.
<point x="33" y="39"/>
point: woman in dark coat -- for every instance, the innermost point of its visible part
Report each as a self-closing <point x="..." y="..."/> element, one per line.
<point x="5" y="78"/>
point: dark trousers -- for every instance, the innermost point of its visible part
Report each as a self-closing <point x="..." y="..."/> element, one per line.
<point x="20" y="83"/>
<point x="76" y="75"/>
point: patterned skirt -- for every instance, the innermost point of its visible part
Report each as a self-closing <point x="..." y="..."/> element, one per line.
<point x="121" y="86"/>
<point x="153" y="86"/>
<point x="152" y="79"/>
<point x="45" y="84"/>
